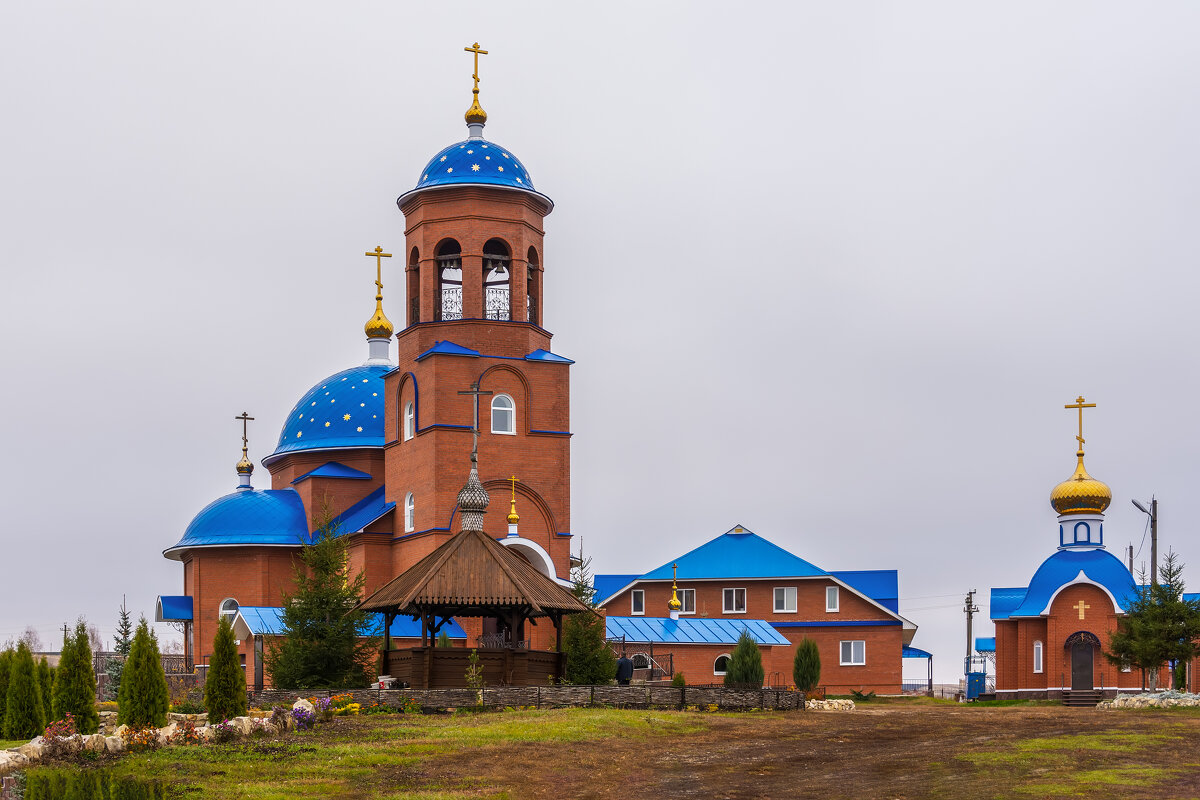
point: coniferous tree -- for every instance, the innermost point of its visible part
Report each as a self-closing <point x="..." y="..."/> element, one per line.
<point x="6" y="658"/>
<point x="806" y="666"/>
<point x="590" y="660"/>
<point x="1159" y="625"/>
<point x="25" y="715"/>
<point x="46" y="681"/>
<point x="324" y="643"/>
<point x="75" y="682"/>
<point x="123" y="640"/>
<point x="144" y="699"/>
<point x="745" y="669"/>
<point x="225" y="684"/>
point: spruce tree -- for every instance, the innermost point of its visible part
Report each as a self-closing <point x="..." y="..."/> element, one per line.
<point x="75" y="682"/>
<point x="115" y="667"/>
<point x="806" y="666"/>
<point x="745" y="669"/>
<point x="590" y="660"/>
<point x="325" y="644"/>
<point x="144" y="698"/>
<point x="225" y="684"/>
<point x="6" y="657"/>
<point x="25" y="715"/>
<point x="46" y="681"/>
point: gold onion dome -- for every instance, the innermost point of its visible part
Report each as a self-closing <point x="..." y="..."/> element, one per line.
<point x="674" y="604"/>
<point x="513" y="519"/>
<point x="476" y="113"/>
<point x="244" y="467"/>
<point x="379" y="326"/>
<point x="1081" y="493"/>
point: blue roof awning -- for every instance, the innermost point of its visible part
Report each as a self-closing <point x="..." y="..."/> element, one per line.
<point x="173" y="608"/>
<point x="915" y="652"/>
<point x="985" y="644"/>
<point x="546" y="355"/>
<point x="333" y="469"/>
<point x="691" y="630"/>
<point x="448" y="348"/>
<point x="362" y="513"/>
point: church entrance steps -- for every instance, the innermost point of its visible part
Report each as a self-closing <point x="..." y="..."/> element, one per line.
<point x="1082" y="698"/>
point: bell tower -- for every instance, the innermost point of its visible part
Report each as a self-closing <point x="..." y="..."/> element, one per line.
<point x="473" y="321"/>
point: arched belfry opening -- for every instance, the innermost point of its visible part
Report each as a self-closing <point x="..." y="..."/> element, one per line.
<point x="497" y="280"/>
<point x="448" y="304"/>
<point x="413" y="286"/>
<point x="533" y="287"/>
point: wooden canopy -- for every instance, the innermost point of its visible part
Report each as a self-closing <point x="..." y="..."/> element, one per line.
<point x="473" y="575"/>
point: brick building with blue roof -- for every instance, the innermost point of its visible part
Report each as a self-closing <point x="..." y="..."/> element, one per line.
<point x="379" y="446"/>
<point x="1050" y="633"/>
<point x="740" y="581"/>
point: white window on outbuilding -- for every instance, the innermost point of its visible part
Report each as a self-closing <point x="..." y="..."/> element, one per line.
<point x="785" y="599"/>
<point x="409" y="420"/>
<point x="854" y="653"/>
<point x="734" y="601"/>
<point x="229" y="609"/>
<point x="1037" y="656"/>
<point x="637" y="602"/>
<point x="721" y="665"/>
<point x="831" y="599"/>
<point x="688" y="599"/>
<point x="410" y="512"/>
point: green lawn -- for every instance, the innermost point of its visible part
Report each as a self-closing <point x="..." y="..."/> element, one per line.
<point x="6" y="744"/>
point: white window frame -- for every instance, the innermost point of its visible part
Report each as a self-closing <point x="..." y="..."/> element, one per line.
<point x="410" y="420"/>
<point x="725" y="604"/>
<point x="512" y="415"/>
<point x="832" y="593"/>
<point x="635" y="596"/>
<point x="775" y="599"/>
<point x="684" y="594"/>
<point x="410" y="513"/>
<point x="222" y="611"/>
<point x="1039" y="656"/>
<point x="716" y="660"/>
<point x="842" y="652"/>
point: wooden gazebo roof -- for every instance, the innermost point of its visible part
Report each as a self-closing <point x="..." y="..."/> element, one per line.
<point x="471" y="574"/>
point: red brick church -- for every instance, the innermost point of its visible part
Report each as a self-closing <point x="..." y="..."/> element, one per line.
<point x="381" y="445"/>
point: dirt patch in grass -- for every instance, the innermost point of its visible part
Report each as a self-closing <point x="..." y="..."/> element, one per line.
<point x="889" y="751"/>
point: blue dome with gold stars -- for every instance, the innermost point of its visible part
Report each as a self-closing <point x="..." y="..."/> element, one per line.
<point x="344" y="410"/>
<point x="475" y="162"/>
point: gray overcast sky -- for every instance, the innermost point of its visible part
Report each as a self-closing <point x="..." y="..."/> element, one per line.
<point x="829" y="270"/>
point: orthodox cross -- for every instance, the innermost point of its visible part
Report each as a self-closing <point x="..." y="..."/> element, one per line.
<point x="475" y="428"/>
<point x="1079" y="404"/>
<point x="245" y="418"/>
<point x="514" y="486"/>
<point x="379" y="256"/>
<point x="1081" y="607"/>
<point x="475" y="49"/>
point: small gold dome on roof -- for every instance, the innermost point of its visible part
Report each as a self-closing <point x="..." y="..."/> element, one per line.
<point x="244" y="467"/>
<point x="476" y="113"/>
<point x="379" y="326"/>
<point x="1081" y="493"/>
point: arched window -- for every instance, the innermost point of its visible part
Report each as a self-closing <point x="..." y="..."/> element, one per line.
<point x="1083" y="532"/>
<point x="496" y="278"/>
<point x="449" y="302"/>
<point x="229" y="608"/>
<point x="410" y="512"/>
<point x="413" y="275"/>
<point x="504" y="417"/>
<point x="1037" y="656"/>
<point x="409" y="420"/>
<point x="721" y="664"/>
<point x="640" y="661"/>
<point x="532" y="295"/>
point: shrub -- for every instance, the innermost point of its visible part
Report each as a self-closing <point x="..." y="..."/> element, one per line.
<point x="305" y="720"/>
<point x="806" y="666"/>
<point x="340" y="701"/>
<point x="6" y="657"/>
<point x="187" y="707"/>
<point x="75" y="683"/>
<point x="24" y="716"/>
<point x="677" y="680"/>
<point x="46" y="681"/>
<point x="144" y="699"/>
<point x="44" y="783"/>
<point x="745" y="670"/>
<point x="225" y="685"/>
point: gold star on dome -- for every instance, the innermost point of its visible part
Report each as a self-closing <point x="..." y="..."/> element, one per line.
<point x="360" y="428"/>
<point x="299" y="434"/>
<point x="518" y="180"/>
<point x="500" y="168"/>
<point x="326" y="424"/>
<point x="443" y="158"/>
<point x="346" y="417"/>
<point x="470" y="152"/>
<point x="474" y="168"/>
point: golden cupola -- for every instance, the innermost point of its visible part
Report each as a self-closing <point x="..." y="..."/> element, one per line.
<point x="1081" y="493"/>
<point x="475" y="114"/>
<point x="379" y="328"/>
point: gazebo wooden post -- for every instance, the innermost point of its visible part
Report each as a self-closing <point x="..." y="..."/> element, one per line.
<point x="558" y="632"/>
<point x="424" y="628"/>
<point x="387" y="642"/>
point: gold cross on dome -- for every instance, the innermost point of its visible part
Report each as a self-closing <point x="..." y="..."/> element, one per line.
<point x="1079" y="404"/>
<point x="514" y="488"/>
<point x="379" y="255"/>
<point x="1081" y="607"/>
<point x="475" y="49"/>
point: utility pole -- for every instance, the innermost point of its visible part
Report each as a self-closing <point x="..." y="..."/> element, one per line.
<point x="971" y="609"/>
<point x="1130" y="554"/>
<point x="1153" y="513"/>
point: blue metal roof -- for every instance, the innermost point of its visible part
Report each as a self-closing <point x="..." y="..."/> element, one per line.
<point x="608" y="585"/>
<point x="268" y="621"/>
<point x="362" y="513"/>
<point x="248" y="517"/>
<point x="1062" y="569"/>
<point x="546" y="355"/>
<point x="448" y="348"/>
<point x="690" y="630"/>
<point x="914" y="652"/>
<point x="344" y="410"/>
<point x="333" y="469"/>
<point x="737" y="555"/>
<point x="409" y="628"/>
<point x="177" y="608"/>
<point x="985" y="644"/>
<point x="475" y="162"/>
<point x="881" y="585"/>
